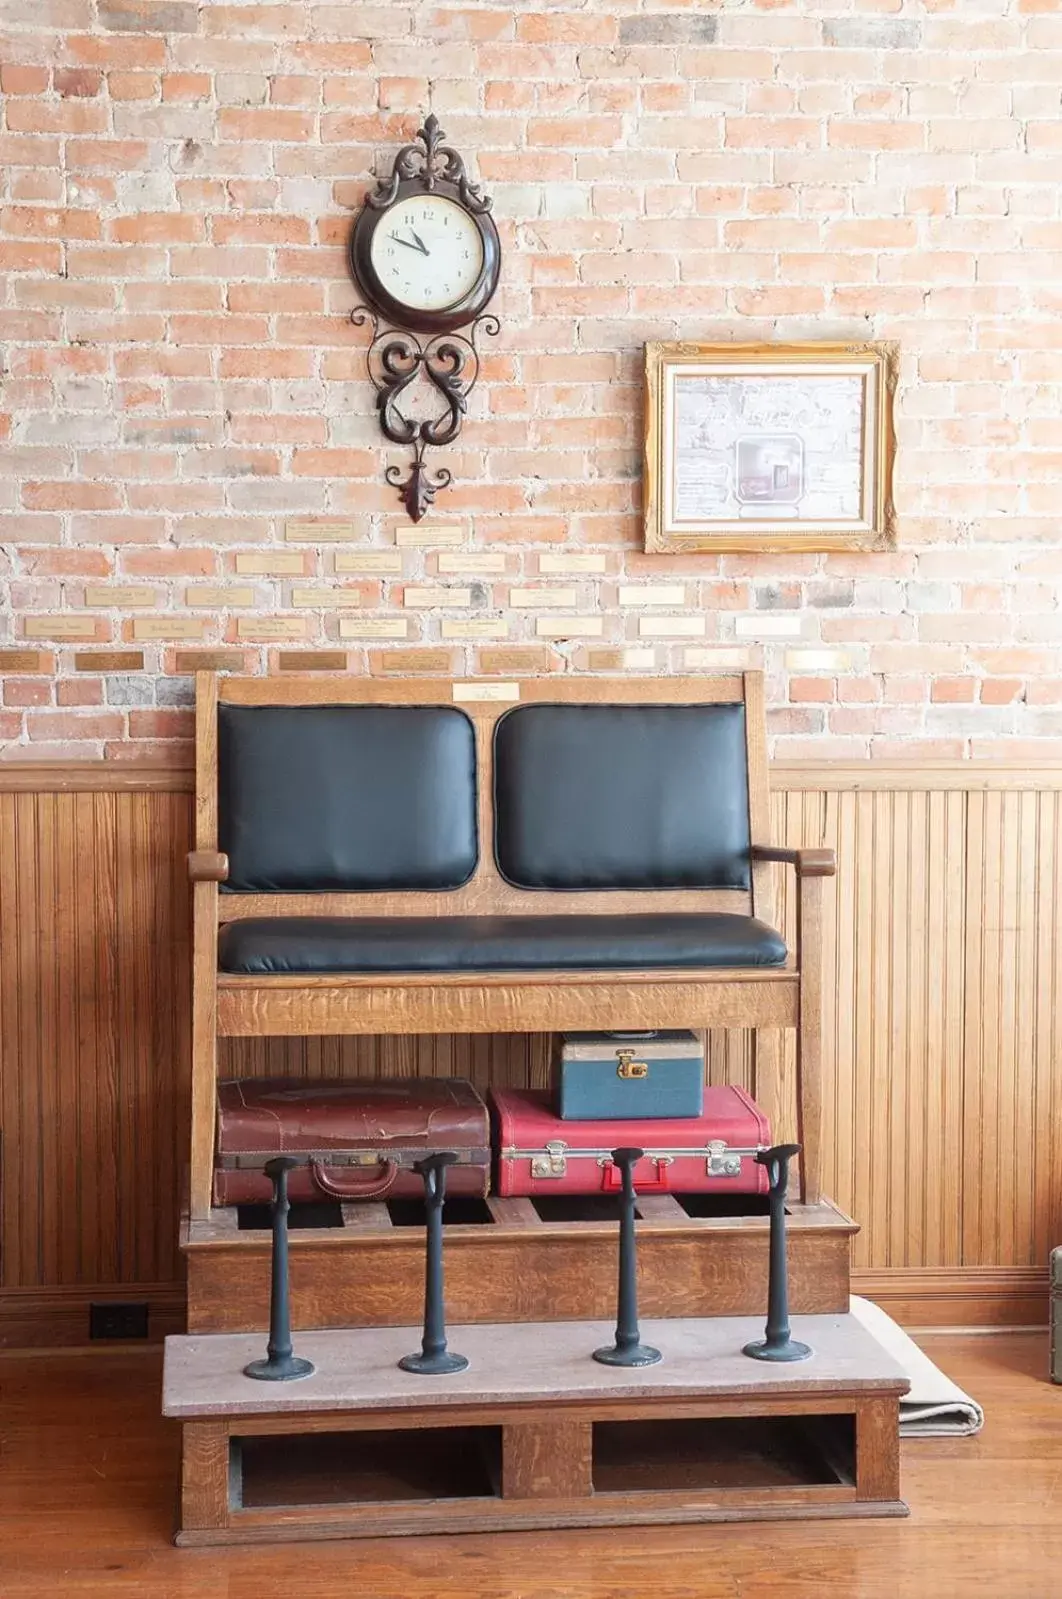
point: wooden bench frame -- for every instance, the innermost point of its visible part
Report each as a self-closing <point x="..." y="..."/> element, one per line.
<point x="226" y="1005"/>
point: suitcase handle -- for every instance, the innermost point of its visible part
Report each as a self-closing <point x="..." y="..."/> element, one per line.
<point x="380" y="1182"/>
<point x="612" y="1178"/>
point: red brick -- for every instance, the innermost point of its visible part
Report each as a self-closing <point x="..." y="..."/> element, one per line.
<point x="79" y="691"/>
<point x="71" y="725"/>
<point x="23" y="80"/>
<point x="70" y="496"/>
<point x="133" y="85"/>
<point x="29" y="222"/>
<point x="954" y="690"/>
<point x="25" y="691"/>
<point x="77" y="82"/>
<point x="169" y="723"/>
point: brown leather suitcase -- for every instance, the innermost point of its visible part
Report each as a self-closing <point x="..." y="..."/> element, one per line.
<point x="356" y="1139"/>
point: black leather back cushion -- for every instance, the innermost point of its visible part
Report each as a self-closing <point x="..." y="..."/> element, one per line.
<point x="622" y="796"/>
<point x="332" y="797"/>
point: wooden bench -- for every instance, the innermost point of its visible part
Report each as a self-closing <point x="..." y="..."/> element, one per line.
<point x="474" y="832"/>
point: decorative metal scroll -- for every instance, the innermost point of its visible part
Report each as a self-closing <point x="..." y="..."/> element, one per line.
<point x="449" y="362"/>
<point x="431" y="161"/>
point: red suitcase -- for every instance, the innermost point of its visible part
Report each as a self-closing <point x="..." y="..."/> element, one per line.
<point x="353" y="1139"/>
<point x="537" y="1153"/>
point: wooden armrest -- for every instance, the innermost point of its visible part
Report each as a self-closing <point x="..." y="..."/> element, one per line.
<point x="808" y="862"/>
<point x="207" y="866"/>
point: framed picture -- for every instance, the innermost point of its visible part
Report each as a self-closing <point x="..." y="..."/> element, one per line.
<point x="769" y="446"/>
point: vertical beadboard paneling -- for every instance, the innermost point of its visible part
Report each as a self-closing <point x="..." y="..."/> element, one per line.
<point x="93" y="1035"/>
<point x="942" y="1035"/>
<point x="943" y="1016"/>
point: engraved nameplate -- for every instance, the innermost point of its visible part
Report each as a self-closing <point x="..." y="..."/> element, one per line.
<point x="424" y="598"/>
<point x="272" y="627"/>
<point x="165" y="627"/>
<point x="434" y="661"/>
<point x="323" y="532"/>
<point x="471" y="561"/>
<point x="644" y="594"/>
<point x="515" y="662"/>
<point x="275" y="563"/>
<point x="373" y="627"/>
<point x="671" y="626"/>
<point x="558" y="563"/>
<point x="188" y="661"/>
<point x="705" y="658"/>
<point x="563" y="599"/>
<point x="60" y="626"/>
<point x="24" y="661"/>
<point x="387" y="562"/>
<point x="98" y="595"/>
<point x="219" y="598"/>
<point x="464" y="692"/>
<point x="633" y="660"/>
<point x="327" y="599"/>
<point x="109" y="661"/>
<point x="486" y="628"/>
<point x="569" y="626"/>
<point x="312" y="661"/>
<point x="428" y="534"/>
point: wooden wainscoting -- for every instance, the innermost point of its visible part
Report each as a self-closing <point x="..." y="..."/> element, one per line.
<point x="943" y="1036"/>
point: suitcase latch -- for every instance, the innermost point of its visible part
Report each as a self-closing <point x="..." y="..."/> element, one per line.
<point x="553" y="1162"/>
<point x="719" y="1163"/>
<point x="629" y="1067"/>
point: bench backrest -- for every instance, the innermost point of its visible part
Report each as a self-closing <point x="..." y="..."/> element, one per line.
<point x="347" y="795"/>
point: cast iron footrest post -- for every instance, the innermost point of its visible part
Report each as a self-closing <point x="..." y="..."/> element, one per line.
<point x="281" y="1363"/>
<point x="434" y="1358"/>
<point x="777" y="1343"/>
<point x="628" y="1350"/>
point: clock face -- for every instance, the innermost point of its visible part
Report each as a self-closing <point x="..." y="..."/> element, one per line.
<point x="427" y="252"/>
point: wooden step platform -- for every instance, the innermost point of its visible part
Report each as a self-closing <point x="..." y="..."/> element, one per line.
<point x="515" y="1260"/>
<point x="534" y="1434"/>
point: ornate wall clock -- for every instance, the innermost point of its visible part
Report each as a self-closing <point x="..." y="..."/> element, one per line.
<point x="426" y="255"/>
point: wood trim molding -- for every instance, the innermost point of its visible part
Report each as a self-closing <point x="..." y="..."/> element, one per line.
<point x="96" y="777"/>
<point x="964" y="1296"/>
<point x="51" y="1318"/>
<point x="105" y="777"/>
<point x="958" y="1296"/>
<point x="914" y="776"/>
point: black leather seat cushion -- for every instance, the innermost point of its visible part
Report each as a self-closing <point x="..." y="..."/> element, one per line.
<point x="321" y="798"/>
<point x="622" y="796"/>
<point x="274" y="944"/>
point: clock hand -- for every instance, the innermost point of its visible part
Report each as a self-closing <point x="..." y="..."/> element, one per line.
<point x="421" y="246"/>
<point x="408" y="245"/>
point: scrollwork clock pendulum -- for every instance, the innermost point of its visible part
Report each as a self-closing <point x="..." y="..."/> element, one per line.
<point x="426" y="255"/>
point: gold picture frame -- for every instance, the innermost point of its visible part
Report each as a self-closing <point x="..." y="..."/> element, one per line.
<point x="769" y="446"/>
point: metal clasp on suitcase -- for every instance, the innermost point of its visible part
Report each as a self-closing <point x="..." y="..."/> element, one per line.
<point x="723" y="1162"/>
<point x="552" y="1163"/>
<point x="629" y="1067"/>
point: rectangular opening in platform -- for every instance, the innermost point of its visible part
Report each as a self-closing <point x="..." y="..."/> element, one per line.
<point x="351" y="1468"/>
<point x="701" y="1205"/>
<point x="463" y="1210"/>
<point x="259" y="1218"/>
<point x="731" y="1452"/>
<point x="577" y="1207"/>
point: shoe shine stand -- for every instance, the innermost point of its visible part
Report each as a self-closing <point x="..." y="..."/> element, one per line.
<point x="536" y="1424"/>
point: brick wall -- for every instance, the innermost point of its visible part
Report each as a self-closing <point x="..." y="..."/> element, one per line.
<point x="190" y="457"/>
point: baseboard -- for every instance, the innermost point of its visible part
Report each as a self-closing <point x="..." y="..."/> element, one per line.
<point x="52" y="1318"/>
<point x="958" y="1296"/>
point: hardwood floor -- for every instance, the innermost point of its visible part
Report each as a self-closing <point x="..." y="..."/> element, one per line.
<point x="88" y="1483"/>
